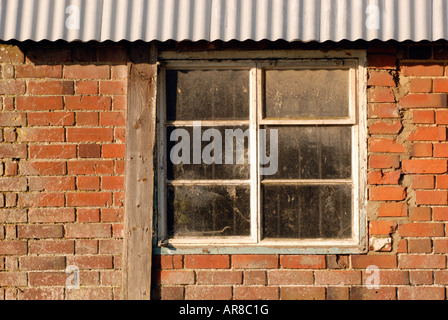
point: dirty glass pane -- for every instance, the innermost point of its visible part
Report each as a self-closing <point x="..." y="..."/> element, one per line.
<point x="298" y="211"/>
<point x="208" y="152"/>
<point x="208" y="211"/>
<point x="207" y="94"/>
<point x="310" y="93"/>
<point x="305" y="152"/>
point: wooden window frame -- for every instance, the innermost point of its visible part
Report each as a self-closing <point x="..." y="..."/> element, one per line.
<point x="255" y="62"/>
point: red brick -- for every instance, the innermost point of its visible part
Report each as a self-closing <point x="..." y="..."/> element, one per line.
<point x="380" y="178"/>
<point x="13" y="248"/>
<point x="51" y="118"/>
<point x="41" y="134"/>
<point x="382" y="61"/>
<point x="13" y="151"/>
<point x="39" y="231"/>
<point x="432" y="197"/>
<point x="87" y="103"/>
<point x="440" y="245"/>
<point x="290" y="277"/>
<point x="50" y="215"/>
<point x="226" y="277"/>
<point x="91" y="262"/>
<point x="441" y="150"/>
<point x="441" y="85"/>
<point x="52" y="151"/>
<point x="174" y="277"/>
<point x="86" y="87"/>
<point x="387" y="193"/>
<point x="424" y="166"/>
<point x="86" y="72"/>
<point x="382" y="227"/>
<point x="90" y="167"/>
<point x="381" y="94"/>
<point x="421" y="293"/>
<point x="41" y="200"/>
<point x="428" y="100"/>
<point x="50" y="87"/>
<point x="428" y="134"/>
<point x="364" y="293"/>
<point x="88" y="215"/>
<point x="302" y="261"/>
<point x="86" y="246"/>
<point x="89" y="134"/>
<point x="421" y="150"/>
<point x="382" y="127"/>
<point x="111" y="215"/>
<point x="388" y="277"/>
<point x="88" y="183"/>
<point x="421" y="230"/>
<point x="421" y="261"/>
<point x="48" y="168"/>
<point x="420" y="85"/>
<point x="83" y="199"/>
<point x="379" y="161"/>
<point x="338" y="277"/>
<point x="12" y="87"/>
<point x="42" y="263"/>
<point x="207" y="262"/>
<point x="423" y="182"/>
<point x="442" y="182"/>
<point x="41" y="294"/>
<point x="113" y="150"/>
<point x="13" y="279"/>
<point x="381" y="78"/>
<point x="302" y="293"/>
<point x="423" y="116"/>
<point x="42" y="279"/>
<point x="39" y="103"/>
<point x="13" y="215"/>
<point x="42" y="71"/>
<point x="337" y="293"/>
<point x="385" y="145"/>
<point x="52" y="247"/>
<point x="255" y="293"/>
<point x="208" y="293"/>
<point x="89" y="151"/>
<point x="13" y="184"/>
<point x="88" y="230"/>
<point x="440" y="214"/>
<point x="441" y="277"/>
<point x="90" y="293"/>
<point x="111" y="246"/>
<point x="87" y="118"/>
<point x="420" y="214"/>
<point x="442" y="116"/>
<point x="112" y="183"/>
<point x="422" y="69"/>
<point x="383" y="110"/>
<point x="51" y="183"/>
<point x="255" y="277"/>
<point x="255" y="261"/>
<point x="12" y="119"/>
<point x="393" y="209"/>
<point x="419" y="246"/>
<point x="113" y="87"/>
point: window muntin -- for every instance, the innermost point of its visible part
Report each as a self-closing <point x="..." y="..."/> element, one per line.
<point x="317" y="192"/>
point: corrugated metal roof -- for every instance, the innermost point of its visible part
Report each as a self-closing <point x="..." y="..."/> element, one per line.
<point x="305" y="20"/>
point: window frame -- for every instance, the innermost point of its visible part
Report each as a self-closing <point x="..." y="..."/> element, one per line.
<point x="256" y="62"/>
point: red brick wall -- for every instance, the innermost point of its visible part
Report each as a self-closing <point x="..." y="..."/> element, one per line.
<point x="62" y="125"/>
<point x="62" y="149"/>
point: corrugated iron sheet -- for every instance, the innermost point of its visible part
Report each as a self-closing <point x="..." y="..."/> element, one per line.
<point x="304" y="20"/>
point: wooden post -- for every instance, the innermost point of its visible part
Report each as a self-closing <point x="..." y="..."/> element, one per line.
<point x="139" y="174"/>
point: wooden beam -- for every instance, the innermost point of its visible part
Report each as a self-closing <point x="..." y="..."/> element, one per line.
<point x="139" y="174"/>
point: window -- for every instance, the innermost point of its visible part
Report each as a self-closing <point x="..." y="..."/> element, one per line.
<point x="262" y="152"/>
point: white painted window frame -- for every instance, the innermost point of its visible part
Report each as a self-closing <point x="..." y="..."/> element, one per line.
<point x="255" y="62"/>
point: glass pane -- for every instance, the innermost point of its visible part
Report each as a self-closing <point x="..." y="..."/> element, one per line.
<point x="321" y="152"/>
<point x="208" y="153"/>
<point x="318" y="211"/>
<point x="208" y="211"/>
<point x="310" y="93"/>
<point x="207" y="94"/>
